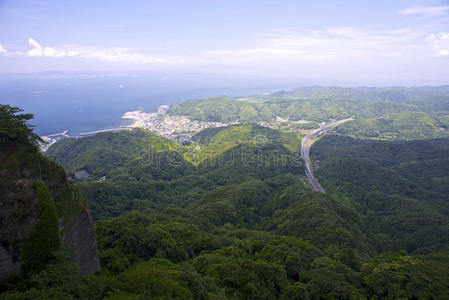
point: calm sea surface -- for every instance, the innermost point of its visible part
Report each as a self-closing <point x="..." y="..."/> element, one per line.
<point x="87" y="102"/>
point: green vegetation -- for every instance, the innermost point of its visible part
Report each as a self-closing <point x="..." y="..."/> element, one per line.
<point x="217" y="109"/>
<point x="14" y="128"/>
<point x="159" y="175"/>
<point x="387" y="113"/>
<point x="224" y="138"/>
<point x="59" y="279"/>
<point x="37" y="208"/>
<point x="98" y="154"/>
<point x="232" y="216"/>
<point x="197" y="228"/>
<point x="406" y="125"/>
<point x="397" y="186"/>
<point x="365" y="94"/>
<point x="250" y="142"/>
<point x="44" y="238"/>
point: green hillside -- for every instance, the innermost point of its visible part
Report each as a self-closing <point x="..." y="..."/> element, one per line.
<point x="385" y="113"/>
<point x="366" y="94"/>
<point x="233" y="216"/>
<point x="232" y="226"/>
<point x="406" y="125"/>
<point x="399" y="186"/>
<point x="215" y="141"/>
<point x="106" y="151"/>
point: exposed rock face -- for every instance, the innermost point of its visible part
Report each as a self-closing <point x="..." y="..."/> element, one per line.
<point x="9" y="265"/>
<point x="21" y="210"/>
<point x="80" y="238"/>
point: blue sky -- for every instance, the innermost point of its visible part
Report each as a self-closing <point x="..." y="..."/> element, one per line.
<point x="371" y="41"/>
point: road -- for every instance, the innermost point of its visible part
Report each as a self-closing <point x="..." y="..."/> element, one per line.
<point x="307" y="142"/>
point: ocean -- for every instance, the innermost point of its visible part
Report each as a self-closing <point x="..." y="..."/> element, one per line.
<point x="81" y="102"/>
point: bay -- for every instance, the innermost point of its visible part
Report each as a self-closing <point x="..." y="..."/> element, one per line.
<point x="81" y="102"/>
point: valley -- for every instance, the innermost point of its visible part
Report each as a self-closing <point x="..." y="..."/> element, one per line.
<point x="224" y="150"/>
<point x="237" y="211"/>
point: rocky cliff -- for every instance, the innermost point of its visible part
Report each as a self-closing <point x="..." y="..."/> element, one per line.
<point x="39" y="213"/>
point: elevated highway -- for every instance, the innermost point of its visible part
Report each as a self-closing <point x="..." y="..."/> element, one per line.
<point x="307" y="142"/>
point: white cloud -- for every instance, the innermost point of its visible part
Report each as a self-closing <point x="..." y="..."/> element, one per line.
<point x="38" y="50"/>
<point x="425" y="11"/>
<point x="439" y="43"/>
<point x="73" y="53"/>
<point x="113" y="55"/>
<point x="328" y="45"/>
<point x="2" y="50"/>
<point x="292" y="50"/>
<point x="121" y="55"/>
<point x="34" y="43"/>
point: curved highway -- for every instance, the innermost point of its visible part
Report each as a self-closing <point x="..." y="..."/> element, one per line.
<point x="307" y="142"/>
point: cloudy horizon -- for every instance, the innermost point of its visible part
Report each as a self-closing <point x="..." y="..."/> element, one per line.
<point x="405" y="41"/>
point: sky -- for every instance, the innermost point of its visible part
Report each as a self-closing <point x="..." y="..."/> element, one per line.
<point x="370" y="41"/>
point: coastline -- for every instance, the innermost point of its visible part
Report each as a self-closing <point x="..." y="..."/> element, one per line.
<point x="175" y="127"/>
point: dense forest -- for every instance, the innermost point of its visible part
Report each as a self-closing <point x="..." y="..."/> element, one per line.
<point x="232" y="215"/>
<point x="383" y="113"/>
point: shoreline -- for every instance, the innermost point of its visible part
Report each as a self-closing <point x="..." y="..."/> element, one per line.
<point x="50" y="139"/>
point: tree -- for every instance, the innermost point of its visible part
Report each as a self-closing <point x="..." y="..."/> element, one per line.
<point x="14" y="127"/>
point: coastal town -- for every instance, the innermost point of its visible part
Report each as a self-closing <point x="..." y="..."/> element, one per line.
<point x="178" y="128"/>
<point x="175" y="127"/>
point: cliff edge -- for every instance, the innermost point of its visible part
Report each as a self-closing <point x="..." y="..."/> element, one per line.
<point x="39" y="210"/>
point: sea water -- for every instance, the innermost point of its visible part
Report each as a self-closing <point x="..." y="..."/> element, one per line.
<point x="82" y="102"/>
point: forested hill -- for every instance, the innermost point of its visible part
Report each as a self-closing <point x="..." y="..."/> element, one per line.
<point x="232" y="215"/>
<point x="365" y="94"/>
<point x="401" y="187"/>
<point x="201" y="222"/>
<point x="385" y="113"/>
